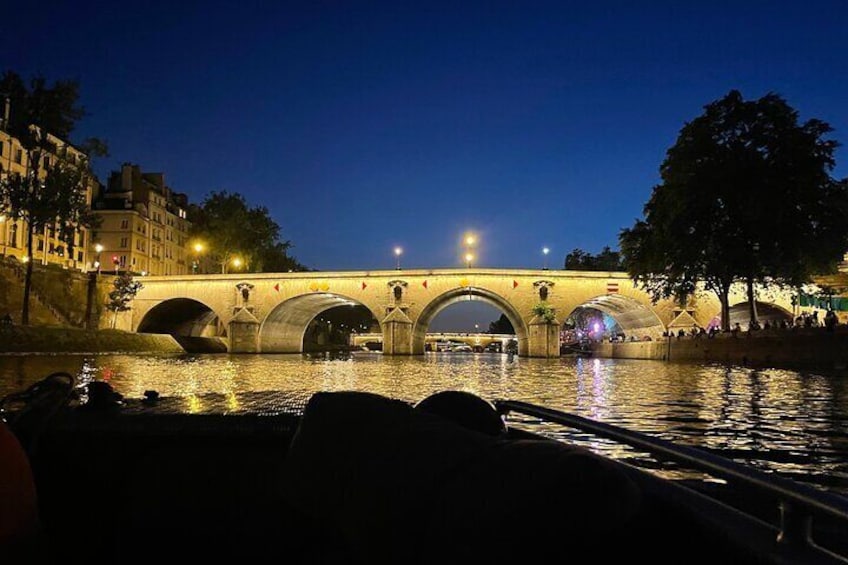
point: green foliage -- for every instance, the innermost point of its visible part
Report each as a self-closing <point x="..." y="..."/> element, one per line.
<point x="126" y="287"/>
<point x="46" y="196"/>
<point x="38" y="109"/>
<point x="544" y="311"/>
<point x="231" y="228"/>
<point x="606" y="260"/>
<point x="746" y="195"/>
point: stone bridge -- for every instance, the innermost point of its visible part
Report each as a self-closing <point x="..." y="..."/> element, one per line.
<point x="270" y="312"/>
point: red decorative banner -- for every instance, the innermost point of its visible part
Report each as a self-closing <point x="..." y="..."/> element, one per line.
<point x="364" y="286"/>
<point x="514" y="283"/>
<point x="277" y="287"/>
<point x="612" y="287"/>
<point x="424" y="284"/>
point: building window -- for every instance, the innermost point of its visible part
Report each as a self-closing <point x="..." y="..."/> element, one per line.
<point x="125" y="224"/>
<point x="123" y="242"/>
<point x="1" y="148"/>
<point x="41" y="245"/>
<point x="13" y="237"/>
<point x="79" y="256"/>
<point x="123" y="260"/>
<point x="46" y="162"/>
<point x="19" y="156"/>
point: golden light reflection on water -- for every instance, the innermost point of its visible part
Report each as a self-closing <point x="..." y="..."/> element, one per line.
<point x="787" y="421"/>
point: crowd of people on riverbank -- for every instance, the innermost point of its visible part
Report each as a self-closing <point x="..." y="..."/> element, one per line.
<point x="829" y="322"/>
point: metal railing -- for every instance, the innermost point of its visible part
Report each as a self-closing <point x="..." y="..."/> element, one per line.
<point x="798" y="503"/>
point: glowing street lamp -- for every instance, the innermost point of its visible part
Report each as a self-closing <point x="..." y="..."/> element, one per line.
<point x="545" y="252"/>
<point x="198" y="249"/>
<point x="470" y="241"/>
<point x="398" y="253"/>
<point x="98" y="248"/>
<point x="236" y="262"/>
<point x="3" y="228"/>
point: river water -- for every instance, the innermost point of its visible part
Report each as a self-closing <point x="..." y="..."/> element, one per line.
<point x="788" y="422"/>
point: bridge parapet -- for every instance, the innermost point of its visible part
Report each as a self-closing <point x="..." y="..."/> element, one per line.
<point x="404" y="302"/>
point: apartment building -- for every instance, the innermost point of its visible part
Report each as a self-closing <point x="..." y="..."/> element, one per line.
<point x="143" y="226"/>
<point x="47" y="248"/>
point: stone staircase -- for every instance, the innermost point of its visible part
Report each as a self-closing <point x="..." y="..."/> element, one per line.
<point x="15" y="273"/>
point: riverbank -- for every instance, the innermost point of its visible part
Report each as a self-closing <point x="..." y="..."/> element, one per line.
<point x="56" y="339"/>
<point x="799" y="349"/>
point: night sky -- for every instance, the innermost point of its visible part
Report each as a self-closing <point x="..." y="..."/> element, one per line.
<point x="367" y="125"/>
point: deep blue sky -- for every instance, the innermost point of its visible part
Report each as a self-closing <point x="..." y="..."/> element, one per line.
<point x="366" y="125"/>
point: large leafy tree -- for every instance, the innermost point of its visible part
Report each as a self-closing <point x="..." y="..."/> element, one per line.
<point x="606" y="260"/>
<point x="51" y="192"/>
<point x="232" y="229"/>
<point x="746" y="195"/>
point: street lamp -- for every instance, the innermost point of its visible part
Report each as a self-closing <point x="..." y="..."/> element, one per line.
<point x="545" y="252"/>
<point x="98" y="248"/>
<point x="398" y="252"/>
<point x="236" y="262"/>
<point x="470" y="240"/>
<point x="3" y="227"/>
<point x="198" y="248"/>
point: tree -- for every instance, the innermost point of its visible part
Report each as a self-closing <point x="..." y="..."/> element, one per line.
<point x="126" y="287"/>
<point x="606" y="260"/>
<point x="230" y="229"/>
<point x="746" y="195"/>
<point x="501" y="326"/>
<point x="46" y="195"/>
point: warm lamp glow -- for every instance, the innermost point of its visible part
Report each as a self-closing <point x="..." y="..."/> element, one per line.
<point x="198" y="247"/>
<point x="98" y="247"/>
<point x="236" y="262"/>
<point x="398" y="251"/>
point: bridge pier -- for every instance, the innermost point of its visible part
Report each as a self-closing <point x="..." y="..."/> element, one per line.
<point x="397" y="333"/>
<point x="543" y="338"/>
<point x="243" y="331"/>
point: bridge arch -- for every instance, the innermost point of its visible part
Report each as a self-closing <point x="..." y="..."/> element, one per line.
<point x="283" y="329"/>
<point x="182" y="317"/>
<point x="634" y="318"/>
<point x="456" y="295"/>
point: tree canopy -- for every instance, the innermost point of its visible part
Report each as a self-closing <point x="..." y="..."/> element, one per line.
<point x="746" y="196"/>
<point x="606" y="260"/>
<point x="501" y="326"/>
<point x="231" y="229"/>
<point x="51" y="193"/>
<point x="124" y="292"/>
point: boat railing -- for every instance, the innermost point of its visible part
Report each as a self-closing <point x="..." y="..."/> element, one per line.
<point x="798" y="503"/>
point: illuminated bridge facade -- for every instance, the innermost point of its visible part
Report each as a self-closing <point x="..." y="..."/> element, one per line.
<point x="270" y="312"/>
